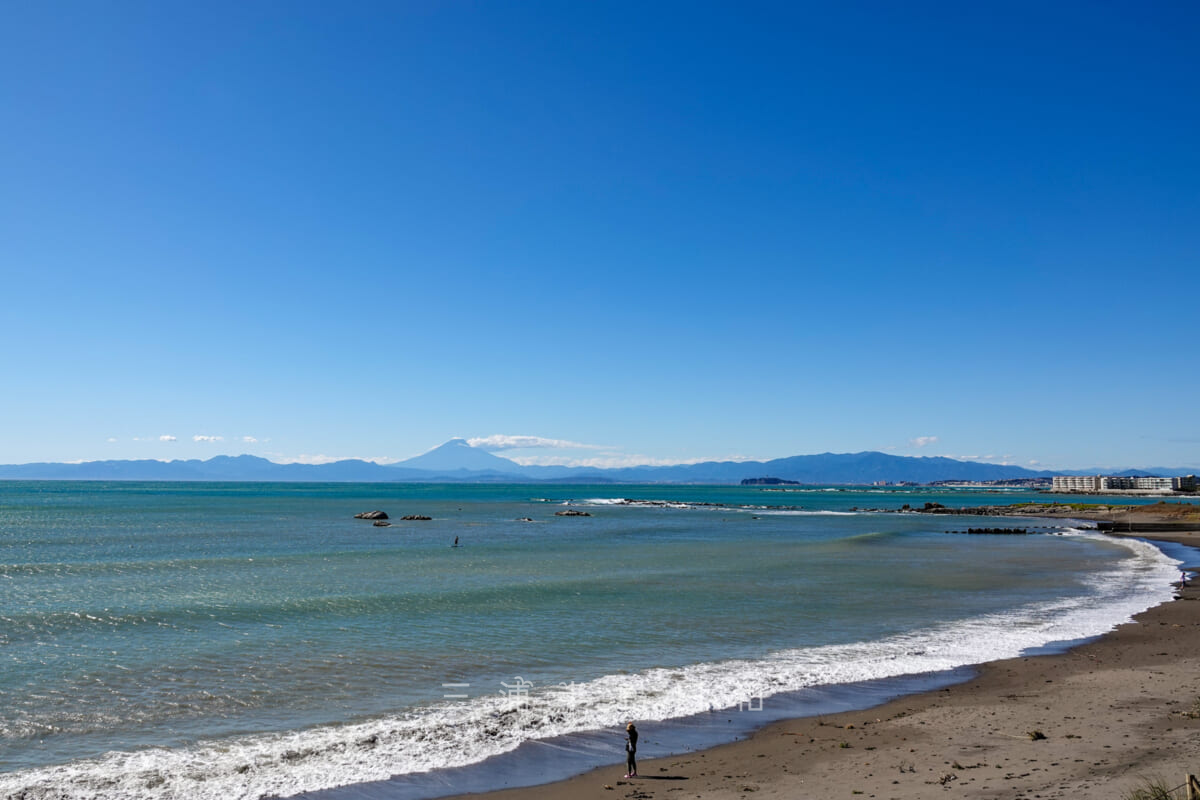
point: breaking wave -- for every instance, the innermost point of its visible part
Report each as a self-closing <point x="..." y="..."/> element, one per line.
<point x="457" y="733"/>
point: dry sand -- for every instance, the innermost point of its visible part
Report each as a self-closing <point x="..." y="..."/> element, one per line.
<point x="1113" y="713"/>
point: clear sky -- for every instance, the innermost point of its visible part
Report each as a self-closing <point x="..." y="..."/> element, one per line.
<point x="656" y="232"/>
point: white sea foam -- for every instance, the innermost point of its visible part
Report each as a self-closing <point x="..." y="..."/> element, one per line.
<point x="799" y="512"/>
<point x="454" y="734"/>
<point x="621" y="501"/>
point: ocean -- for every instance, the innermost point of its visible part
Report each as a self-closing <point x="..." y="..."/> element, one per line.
<point x="206" y="640"/>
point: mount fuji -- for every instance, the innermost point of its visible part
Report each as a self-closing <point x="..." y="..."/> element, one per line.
<point x="457" y="455"/>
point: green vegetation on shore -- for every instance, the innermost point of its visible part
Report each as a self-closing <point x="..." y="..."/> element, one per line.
<point x="1072" y="506"/>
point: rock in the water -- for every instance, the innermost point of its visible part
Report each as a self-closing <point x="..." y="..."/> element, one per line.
<point x="417" y="516"/>
<point x="381" y="523"/>
<point x="570" y="512"/>
<point x="371" y="515"/>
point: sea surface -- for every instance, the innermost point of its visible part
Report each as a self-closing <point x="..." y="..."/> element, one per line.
<point x="222" y="640"/>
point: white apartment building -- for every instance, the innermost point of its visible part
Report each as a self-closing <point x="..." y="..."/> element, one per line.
<point x="1075" y="483"/>
<point x="1120" y="483"/>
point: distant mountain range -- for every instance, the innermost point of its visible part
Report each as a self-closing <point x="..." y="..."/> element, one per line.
<point x="458" y="462"/>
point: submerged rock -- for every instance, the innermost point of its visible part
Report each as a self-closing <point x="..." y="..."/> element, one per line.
<point x="570" y="512"/>
<point x="416" y="516"/>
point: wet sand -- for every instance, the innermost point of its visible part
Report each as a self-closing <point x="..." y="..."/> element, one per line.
<point x="1097" y="721"/>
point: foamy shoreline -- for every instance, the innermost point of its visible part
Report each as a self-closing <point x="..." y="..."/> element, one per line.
<point x="1109" y="712"/>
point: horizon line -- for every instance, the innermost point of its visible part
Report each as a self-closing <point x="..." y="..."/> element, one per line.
<point x="1181" y="469"/>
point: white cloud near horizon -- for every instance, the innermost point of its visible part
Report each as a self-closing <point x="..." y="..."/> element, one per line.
<point x="991" y="458"/>
<point x="608" y="458"/>
<point x="249" y="440"/>
<point x="317" y="459"/>
<point x="199" y="437"/>
<point x="166" y="437"/>
<point x="499" y="441"/>
<point x="617" y="460"/>
<point x="922" y="441"/>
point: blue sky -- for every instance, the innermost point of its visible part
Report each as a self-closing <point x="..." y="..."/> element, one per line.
<point x="631" y="232"/>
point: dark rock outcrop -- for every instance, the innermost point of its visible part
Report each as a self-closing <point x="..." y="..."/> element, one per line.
<point x="371" y="515"/>
<point x="416" y="517"/>
<point x="570" y="512"/>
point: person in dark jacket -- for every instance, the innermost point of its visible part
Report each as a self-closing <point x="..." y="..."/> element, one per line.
<point x="631" y="736"/>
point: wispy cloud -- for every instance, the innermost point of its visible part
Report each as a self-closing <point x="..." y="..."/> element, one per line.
<point x="1007" y="460"/>
<point x="922" y="441"/>
<point x="321" y="458"/>
<point x="600" y="456"/>
<point x="616" y="460"/>
<point x="166" y="437"/>
<point x="249" y="440"/>
<point x="111" y="439"/>
<point x="199" y="437"/>
<point x="499" y="441"/>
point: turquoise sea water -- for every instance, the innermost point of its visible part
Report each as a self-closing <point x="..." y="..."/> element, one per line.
<point x="249" y="640"/>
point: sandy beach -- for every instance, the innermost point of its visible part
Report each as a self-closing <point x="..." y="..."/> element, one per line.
<point x="1098" y="721"/>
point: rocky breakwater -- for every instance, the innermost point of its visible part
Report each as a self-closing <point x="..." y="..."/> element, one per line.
<point x="1001" y="531"/>
<point x="1019" y="510"/>
<point x="1179" y="521"/>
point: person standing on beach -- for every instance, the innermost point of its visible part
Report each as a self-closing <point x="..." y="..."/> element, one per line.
<point x="631" y="735"/>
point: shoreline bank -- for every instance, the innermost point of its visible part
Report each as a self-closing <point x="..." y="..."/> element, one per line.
<point x="1096" y="721"/>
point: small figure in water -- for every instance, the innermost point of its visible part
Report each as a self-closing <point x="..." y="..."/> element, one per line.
<point x="631" y="736"/>
<point x="455" y="542"/>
